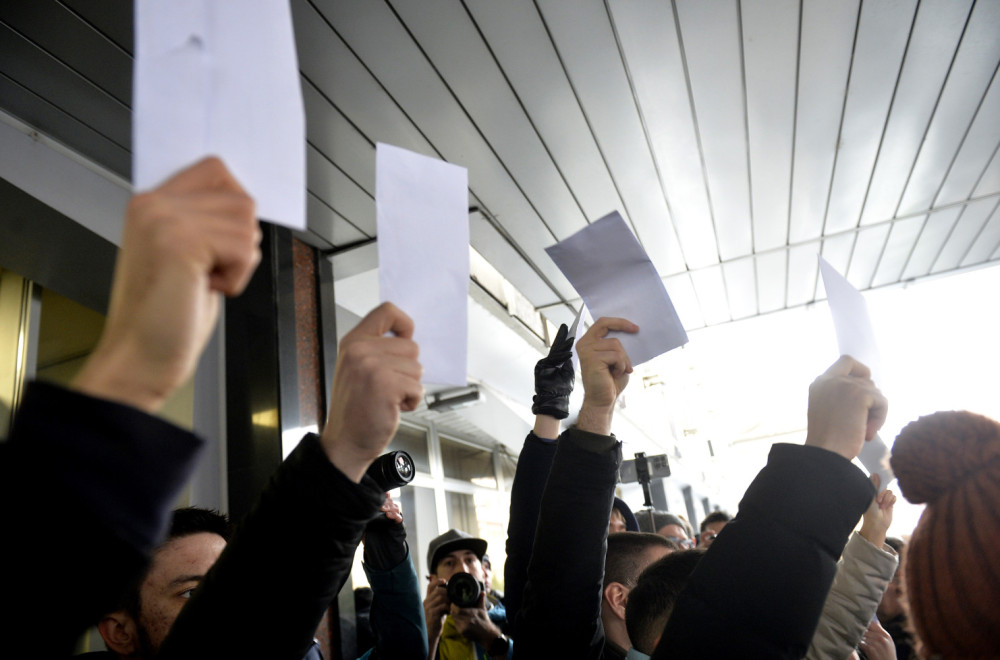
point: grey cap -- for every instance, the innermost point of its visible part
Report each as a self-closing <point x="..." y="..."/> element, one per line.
<point x="450" y="541"/>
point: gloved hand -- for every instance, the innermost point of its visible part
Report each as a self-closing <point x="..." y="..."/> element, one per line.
<point x="554" y="377"/>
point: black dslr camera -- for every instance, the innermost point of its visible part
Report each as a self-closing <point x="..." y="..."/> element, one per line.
<point x="392" y="470"/>
<point x="465" y="590"/>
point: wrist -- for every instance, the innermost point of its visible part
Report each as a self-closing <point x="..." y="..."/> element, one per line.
<point x="115" y="375"/>
<point x="347" y="458"/>
<point x="873" y="536"/>
<point x="595" y="418"/>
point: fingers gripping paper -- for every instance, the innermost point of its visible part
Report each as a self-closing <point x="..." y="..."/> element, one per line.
<point x="221" y="78"/>
<point x="613" y="275"/>
<point x="423" y="253"/>
<point x="856" y="337"/>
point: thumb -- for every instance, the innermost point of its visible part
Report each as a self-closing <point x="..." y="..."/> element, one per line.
<point x="386" y="318"/>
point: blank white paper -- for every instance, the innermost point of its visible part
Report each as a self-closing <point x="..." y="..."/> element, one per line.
<point x="215" y="77"/>
<point x="422" y="209"/>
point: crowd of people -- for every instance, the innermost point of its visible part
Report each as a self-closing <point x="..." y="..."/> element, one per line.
<point x="89" y="475"/>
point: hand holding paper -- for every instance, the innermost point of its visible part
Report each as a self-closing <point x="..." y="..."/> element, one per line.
<point x="615" y="278"/>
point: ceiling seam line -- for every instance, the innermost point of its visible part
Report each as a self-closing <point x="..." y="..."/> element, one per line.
<point x="982" y="228"/>
<point x="645" y="130"/>
<point x="524" y="109"/>
<point x="468" y="116"/>
<point x="339" y="214"/>
<point x="746" y="121"/>
<point x="96" y="29"/>
<point x="913" y="248"/>
<point x="746" y="135"/>
<point x="965" y="136"/>
<point x="982" y="174"/>
<point x="881" y="254"/>
<point x="74" y="118"/>
<point x="66" y="65"/>
<point x="843" y="114"/>
<point x="888" y="115"/>
<point x="335" y="165"/>
<point x="951" y="230"/>
<point x="930" y="120"/>
<point x="694" y="120"/>
<point x="586" y="118"/>
<point x="791" y="164"/>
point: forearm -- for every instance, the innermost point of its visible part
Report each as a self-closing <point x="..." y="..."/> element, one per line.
<point x="397" y="613"/>
<point x="307" y="525"/>
<point x="791" y="528"/>
<point x="863" y="574"/>
<point x="562" y="602"/>
<point x="111" y="474"/>
<point x="532" y="472"/>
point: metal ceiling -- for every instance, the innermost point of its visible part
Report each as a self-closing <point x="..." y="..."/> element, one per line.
<point x="739" y="139"/>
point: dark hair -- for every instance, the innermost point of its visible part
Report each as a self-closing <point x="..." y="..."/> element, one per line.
<point x="652" y="599"/>
<point x="625" y="550"/>
<point x="714" y="517"/>
<point x="185" y="522"/>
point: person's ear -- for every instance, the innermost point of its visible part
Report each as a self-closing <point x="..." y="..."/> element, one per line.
<point x="119" y="632"/>
<point x="616" y="595"/>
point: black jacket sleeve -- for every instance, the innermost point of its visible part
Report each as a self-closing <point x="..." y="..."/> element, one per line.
<point x="561" y="613"/>
<point x="532" y="472"/>
<point x="87" y="487"/>
<point x="266" y="595"/>
<point x="759" y="590"/>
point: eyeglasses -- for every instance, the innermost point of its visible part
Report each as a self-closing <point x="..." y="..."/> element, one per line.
<point x="683" y="542"/>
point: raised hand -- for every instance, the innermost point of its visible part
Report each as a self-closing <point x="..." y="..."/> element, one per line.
<point x="878" y="517"/>
<point x="604" y="369"/>
<point x="554" y="377"/>
<point x="845" y="408"/>
<point x="377" y="377"/>
<point x="184" y="242"/>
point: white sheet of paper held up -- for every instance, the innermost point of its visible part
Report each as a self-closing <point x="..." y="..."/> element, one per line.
<point x="613" y="275"/>
<point x="856" y="337"/>
<point x="422" y="210"/>
<point x="214" y="77"/>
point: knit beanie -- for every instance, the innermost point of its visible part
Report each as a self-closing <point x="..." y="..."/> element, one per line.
<point x="951" y="462"/>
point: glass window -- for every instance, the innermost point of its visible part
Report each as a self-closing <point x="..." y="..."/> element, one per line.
<point x="483" y="514"/>
<point x="414" y="442"/>
<point x="468" y="463"/>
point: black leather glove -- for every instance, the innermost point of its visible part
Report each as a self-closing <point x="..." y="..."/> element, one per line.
<point x="554" y="377"/>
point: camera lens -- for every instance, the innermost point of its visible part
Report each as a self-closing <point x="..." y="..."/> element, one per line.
<point x="392" y="470"/>
<point x="464" y="590"/>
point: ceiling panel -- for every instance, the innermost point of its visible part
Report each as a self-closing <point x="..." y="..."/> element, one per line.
<point x="649" y="40"/>
<point x="868" y="247"/>
<point x="978" y="149"/>
<point x="902" y="236"/>
<point x="803" y="269"/>
<point x="741" y="286"/>
<point x="968" y="226"/>
<point x="770" y="51"/>
<point x="937" y="31"/>
<point x="826" y="42"/>
<point x="986" y="243"/>
<point x="586" y="44"/>
<point x="882" y="38"/>
<point x="335" y="189"/>
<point x="772" y="270"/>
<point x="974" y="67"/>
<point x="989" y="184"/>
<point x="711" y="40"/>
<point x="712" y="296"/>
<point x="933" y="235"/>
<point x="685" y="300"/>
<point x="517" y="38"/>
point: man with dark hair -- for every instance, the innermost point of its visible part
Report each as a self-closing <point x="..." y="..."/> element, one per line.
<point x="629" y="553"/>
<point x="711" y="526"/>
<point x="666" y="525"/>
<point x="652" y="599"/>
<point x="138" y="627"/>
